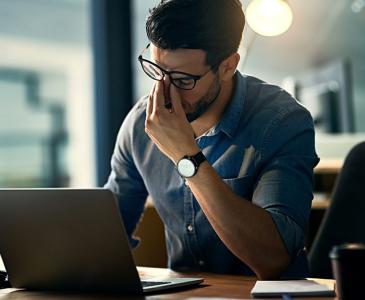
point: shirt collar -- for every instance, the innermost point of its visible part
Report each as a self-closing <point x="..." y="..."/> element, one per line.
<point x="232" y="115"/>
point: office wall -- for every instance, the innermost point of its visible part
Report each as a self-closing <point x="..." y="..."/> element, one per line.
<point x="322" y="31"/>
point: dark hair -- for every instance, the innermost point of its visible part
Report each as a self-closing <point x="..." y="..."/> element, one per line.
<point x="214" y="26"/>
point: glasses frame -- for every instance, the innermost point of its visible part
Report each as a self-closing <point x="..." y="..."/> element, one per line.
<point x="168" y="73"/>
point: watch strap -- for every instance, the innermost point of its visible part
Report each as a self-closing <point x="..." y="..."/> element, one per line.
<point x="198" y="159"/>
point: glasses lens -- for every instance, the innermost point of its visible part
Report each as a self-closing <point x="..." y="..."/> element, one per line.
<point x="183" y="82"/>
<point x="151" y="70"/>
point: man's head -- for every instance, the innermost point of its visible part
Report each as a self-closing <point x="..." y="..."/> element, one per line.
<point x="214" y="26"/>
<point x="198" y="37"/>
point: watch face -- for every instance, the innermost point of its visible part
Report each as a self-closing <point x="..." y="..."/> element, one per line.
<point x="186" y="167"/>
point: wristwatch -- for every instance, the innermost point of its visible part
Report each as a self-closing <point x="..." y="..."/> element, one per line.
<point x="188" y="165"/>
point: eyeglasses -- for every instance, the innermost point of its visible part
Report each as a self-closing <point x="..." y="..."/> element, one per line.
<point x="181" y="80"/>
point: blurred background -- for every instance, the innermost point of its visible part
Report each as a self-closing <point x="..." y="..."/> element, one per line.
<point x="69" y="74"/>
<point x="46" y="97"/>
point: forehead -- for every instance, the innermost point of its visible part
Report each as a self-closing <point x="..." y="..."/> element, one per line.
<point x="179" y="58"/>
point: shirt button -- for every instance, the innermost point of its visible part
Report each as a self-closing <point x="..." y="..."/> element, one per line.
<point x="201" y="262"/>
<point x="190" y="228"/>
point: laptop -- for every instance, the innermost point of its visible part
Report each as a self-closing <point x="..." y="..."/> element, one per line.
<point x="70" y="240"/>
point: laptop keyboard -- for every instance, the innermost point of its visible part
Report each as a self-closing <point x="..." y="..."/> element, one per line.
<point x="153" y="283"/>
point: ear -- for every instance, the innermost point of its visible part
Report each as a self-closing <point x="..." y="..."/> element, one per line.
<point x="228" y="67"/>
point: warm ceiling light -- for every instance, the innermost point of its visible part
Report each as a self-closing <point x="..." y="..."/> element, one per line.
<point x="269" y="17"/>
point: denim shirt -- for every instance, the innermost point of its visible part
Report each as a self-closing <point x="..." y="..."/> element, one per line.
<point x="262" y="148"/>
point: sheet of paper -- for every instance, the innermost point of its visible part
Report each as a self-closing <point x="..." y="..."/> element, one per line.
<point x="306" y="287"/>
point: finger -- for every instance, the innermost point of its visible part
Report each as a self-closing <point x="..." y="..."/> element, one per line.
<point x="166" y="85"/>
<point x="158" y="96"/>
<point x="176" y="101"/>
<point x="149" y="102"/>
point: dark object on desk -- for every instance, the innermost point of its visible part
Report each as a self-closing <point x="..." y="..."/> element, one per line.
<point x="344" y="220"/>
<point x="348" y="263"/>
<point x="70" y="240"/>
<point x="4" y="282"/>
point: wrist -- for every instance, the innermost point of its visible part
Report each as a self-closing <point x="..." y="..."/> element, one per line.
<point x="188" y="151"/>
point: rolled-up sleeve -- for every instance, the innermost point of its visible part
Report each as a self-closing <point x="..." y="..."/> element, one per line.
<point x="284" y="187"/>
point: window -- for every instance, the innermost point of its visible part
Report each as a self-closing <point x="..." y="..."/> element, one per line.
<point x="142" y="84"/>
<point x="46" y="115"/>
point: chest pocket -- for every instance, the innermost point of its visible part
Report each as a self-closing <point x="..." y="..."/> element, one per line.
<point x="241" y="186"/>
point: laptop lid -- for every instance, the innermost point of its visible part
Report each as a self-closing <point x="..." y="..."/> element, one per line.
<point x="70" y="239"/>
<point x="65" y="239"/>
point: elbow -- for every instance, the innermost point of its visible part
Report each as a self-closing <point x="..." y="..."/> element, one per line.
<point x="269" y="274"/>
<point x="274" y="269"/>
<point x="272" y="274"/>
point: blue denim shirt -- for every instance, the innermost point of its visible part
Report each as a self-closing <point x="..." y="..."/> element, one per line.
<point x="263" y="148"/>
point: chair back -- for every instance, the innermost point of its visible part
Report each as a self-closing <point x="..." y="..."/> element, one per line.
<point x="344" y="220"/>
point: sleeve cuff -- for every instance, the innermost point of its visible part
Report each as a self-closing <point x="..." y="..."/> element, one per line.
<point x="291" y="233"/>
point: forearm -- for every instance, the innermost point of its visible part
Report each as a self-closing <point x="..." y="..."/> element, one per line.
<point x="246" y="229"/>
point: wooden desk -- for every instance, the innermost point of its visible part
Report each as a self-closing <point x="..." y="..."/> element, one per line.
<point x="328" y="166"/>
<point x="215" y="285"/>
<point x="320" y="204"/>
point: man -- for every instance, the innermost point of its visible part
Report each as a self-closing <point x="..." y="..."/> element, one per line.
<point x="228" y="159"/>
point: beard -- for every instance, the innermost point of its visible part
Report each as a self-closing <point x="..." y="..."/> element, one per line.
<point x="205" y="102"/>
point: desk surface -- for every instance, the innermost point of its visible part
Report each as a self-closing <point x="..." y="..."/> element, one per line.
<point x="328" y="166"/>
<point x="215" y="285"/>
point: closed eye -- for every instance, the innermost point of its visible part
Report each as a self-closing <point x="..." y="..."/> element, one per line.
<point x="184" y="81"/>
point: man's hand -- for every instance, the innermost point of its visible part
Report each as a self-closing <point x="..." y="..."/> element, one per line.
<point x="168" y="128"/>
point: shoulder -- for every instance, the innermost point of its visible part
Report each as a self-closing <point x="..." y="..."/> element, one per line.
<point x="275" y="118"/>
<point x="134" y="123"/>
<point x="266" y="96"/>
<point x="138" y="111"/>
<point x="136" y="116"/>
<point x="269" y="106"/>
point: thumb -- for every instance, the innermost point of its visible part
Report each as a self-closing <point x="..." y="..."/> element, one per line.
<point x="176" y="100"/>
